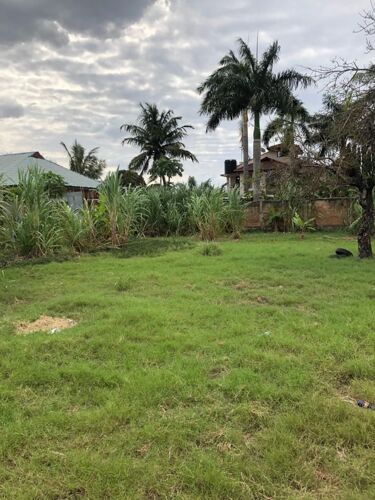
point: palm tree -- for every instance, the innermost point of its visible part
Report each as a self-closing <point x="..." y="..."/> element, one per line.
<point x="157" y="134"/>
<point x="245" y="84"/>
<point x="290" y="122"/>
<point x="84" y="163"/>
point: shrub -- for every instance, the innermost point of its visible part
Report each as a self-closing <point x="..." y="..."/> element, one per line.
<point x="123" y="284"/>
<point x="123" y="209"/>
<point x="210" y="249"/>
<point x="234" y="213"/>
<point x="207" y="212"/>
<point x="29" y="222"/>
<point x="302" y="225"/>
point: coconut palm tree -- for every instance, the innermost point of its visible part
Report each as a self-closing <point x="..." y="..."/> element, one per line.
<point x="84" y="163"/>
<point x="290" y="122"/>
<point x="157" y="134"/>
<point x="245" y="84"/>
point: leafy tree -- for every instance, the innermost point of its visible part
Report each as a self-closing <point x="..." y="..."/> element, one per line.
<point x="323" y="126"/>
<point x="244" y="84"/>
<point x="157" y="134"/>
<point x="357" y="161"/>
<point x="290" y="125"/>
<point x="130" y="178"/>
<point x="84" y="163"/>
<point x="54" y="184"/>
<point x="346" y="129"/>
<point x="166" y="168"/>
<point x="192" y="182"/>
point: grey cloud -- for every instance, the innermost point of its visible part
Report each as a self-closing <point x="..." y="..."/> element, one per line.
<point x="87" y="88"/>
<point x="50" y="20"/>
<point x="10" y="109"/>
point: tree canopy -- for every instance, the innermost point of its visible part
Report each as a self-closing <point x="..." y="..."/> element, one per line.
<point x="157" y="134"/>
<point x="245" y="84"/>
<point x="84" y="163"/>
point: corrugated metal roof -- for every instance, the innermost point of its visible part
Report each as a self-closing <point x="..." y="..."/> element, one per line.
<point x="11" y="164"/>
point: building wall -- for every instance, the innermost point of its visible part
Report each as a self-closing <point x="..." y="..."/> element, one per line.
<point x="329" y="213"/>
<point x="75" y="197"/>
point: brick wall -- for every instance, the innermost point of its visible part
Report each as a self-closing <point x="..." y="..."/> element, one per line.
<point x="329" y="213"/>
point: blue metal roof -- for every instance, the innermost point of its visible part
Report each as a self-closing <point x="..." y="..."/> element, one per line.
<point x="11" y="164"/>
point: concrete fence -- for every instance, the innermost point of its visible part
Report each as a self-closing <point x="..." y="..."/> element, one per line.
<point x="329" y="213"/>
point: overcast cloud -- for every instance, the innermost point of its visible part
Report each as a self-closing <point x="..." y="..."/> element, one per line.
<point x="78" y="69"/>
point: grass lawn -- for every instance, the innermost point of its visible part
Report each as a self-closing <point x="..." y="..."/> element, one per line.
<point x="191" y="376"/>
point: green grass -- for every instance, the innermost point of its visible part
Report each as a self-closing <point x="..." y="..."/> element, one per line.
<point x="191" y="377"/>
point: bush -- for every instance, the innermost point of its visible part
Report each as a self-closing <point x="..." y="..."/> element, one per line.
<point x="234" y="213"/>
<point x="210" y="250"/>
<point x="33" y="223"/>
<point x="123" y="209"/>
<point x="207" y="212"/>
<point x="123" y="284"/>
<point x="302" y="225"/>
<point x="29" y="221"/>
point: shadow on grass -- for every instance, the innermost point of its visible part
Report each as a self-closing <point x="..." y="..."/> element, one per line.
<point x="147" y="247"/>
<point x="150" y="247"/>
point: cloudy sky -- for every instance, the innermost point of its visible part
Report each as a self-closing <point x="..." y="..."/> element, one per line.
<point x="77" y="69"/>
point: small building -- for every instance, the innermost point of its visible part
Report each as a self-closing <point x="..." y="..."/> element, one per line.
<point x="78" y="186"/>
<point x="271" y="161"/>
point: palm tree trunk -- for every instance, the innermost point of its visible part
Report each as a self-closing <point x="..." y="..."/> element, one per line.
<point x="291" y="145"/>
<point x="366" y="201"/>
<point x="256" y="157"/>
<point x="245" y="149"/>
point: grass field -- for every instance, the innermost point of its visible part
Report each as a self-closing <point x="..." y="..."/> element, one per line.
<point x="191" y="376"/>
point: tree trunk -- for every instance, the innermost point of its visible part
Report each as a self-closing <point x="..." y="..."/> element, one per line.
<point x="366" y="201"/>
<point x="245" y="149"/>
<point x="256" y="157"/>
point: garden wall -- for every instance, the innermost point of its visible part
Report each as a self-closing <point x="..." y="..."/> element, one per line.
<point x="329" y="213"/>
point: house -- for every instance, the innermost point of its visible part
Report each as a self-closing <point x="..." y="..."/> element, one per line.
<point x="79" y="187"/>
<point x="271" y="161"/>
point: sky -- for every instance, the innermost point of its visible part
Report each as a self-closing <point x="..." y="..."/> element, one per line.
<point x="79" y="69"/>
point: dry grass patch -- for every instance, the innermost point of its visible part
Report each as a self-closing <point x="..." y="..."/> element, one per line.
<point x="44" y="324"/>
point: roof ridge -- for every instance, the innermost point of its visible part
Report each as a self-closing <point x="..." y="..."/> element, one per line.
<point x="23" y="153"/>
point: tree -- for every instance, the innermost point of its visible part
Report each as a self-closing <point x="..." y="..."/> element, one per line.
<point x="166" y="168"/>
<point x="54" y="184"/>
<point x="130" y="178"/>
<point x="84" y="163"/>
<point x="357" y="161"/>
<point x="157" y="134"/>
<point x="347" y="129"/>
<point x="324" y="125"/>
<point x="245" y="84"/>
<point x="290" y="124"/>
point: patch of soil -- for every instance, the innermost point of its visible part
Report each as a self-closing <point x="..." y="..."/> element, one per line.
<point x="262" y="300"/>
<point x="44" y="324"/>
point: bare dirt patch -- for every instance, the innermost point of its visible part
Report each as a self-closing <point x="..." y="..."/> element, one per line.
<point x="44" y="324"/>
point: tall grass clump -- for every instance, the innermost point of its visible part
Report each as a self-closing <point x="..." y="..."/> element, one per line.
<point x="78" y="227"/>
<point x="34" y="222"/>
<point x="167" y="210"/>
<point x="29" y="222"/>
<point x="234" y="213"/>
<point x="123" y="210"/>
<point x="210" y="249"/>
<point x="207" y="211"/>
